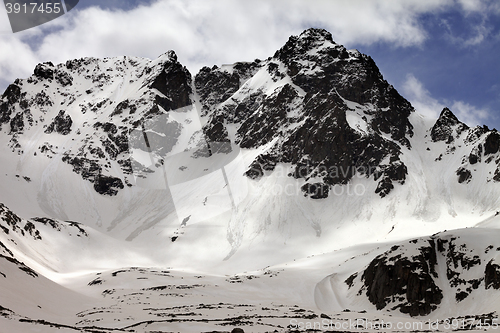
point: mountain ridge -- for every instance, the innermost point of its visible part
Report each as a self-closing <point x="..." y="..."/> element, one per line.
<point x="314" y="112"/>
<point x="243" y="166"/>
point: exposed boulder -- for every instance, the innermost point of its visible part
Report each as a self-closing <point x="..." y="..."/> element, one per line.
<point x="237" y="330"/>
<point x="464" y="175"/>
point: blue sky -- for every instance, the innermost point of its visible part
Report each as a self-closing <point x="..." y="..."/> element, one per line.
<point x="437" y="53"/>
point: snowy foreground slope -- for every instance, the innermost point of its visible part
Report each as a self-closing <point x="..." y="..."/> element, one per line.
<point x="297" y="192"/>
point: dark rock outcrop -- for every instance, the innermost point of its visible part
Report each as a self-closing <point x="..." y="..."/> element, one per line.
<point x="17" y="123"/>
<point x="237" y="330"/>
<point x="10" y="218"/>
<point x="316" y="190"/>
<point x="215" y="85"/>
<point x="354" y="76"/>
<point x="45" y="71"/>
<point x="21" y="265"/>
<point x="11" y="95"/>
<point x="407" y="277"/>
<point x="174" y="82"/>
<point x="88" y="169"/>
<point x="391" y="277"/>
<point x="61" y="124"/>
<point x="464" y="175"/>
<point x="492" y="275"/>
<point x="475" y="155"/>
<point x="123" y="106"/>
<point x="10" y="221"/>
<point x="107" y="185"/>
<point x="492" y="143"/>
<point x="64" y="78"/>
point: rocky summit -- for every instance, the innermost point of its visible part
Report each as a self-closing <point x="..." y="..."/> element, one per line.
<point x="307" y="115"/>
<point x="139" y="197"/>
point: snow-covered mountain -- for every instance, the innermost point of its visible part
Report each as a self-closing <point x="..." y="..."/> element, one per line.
<point x="307" y="165"/>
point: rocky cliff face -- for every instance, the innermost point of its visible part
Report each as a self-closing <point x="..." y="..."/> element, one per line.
<point x="324" y="109"/>
<point x="86" y="100"/>
<point x="481" y="144"/>
<point x="394" y="278"/>
<point x="314" y="104"/>
<point x="317" y="114"/>
<point x="417" y="276"/>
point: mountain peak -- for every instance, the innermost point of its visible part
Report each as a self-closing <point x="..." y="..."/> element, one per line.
<point x="319" y="107"/>
<point x="446" y="125"/>
<point x="316" y="34"/>
<point x="170" y="55"/>
<point x="448" y="116"/>
<point x="305" y="43"/>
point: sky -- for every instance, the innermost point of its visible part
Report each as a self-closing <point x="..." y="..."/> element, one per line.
<point x="436" y="53"/>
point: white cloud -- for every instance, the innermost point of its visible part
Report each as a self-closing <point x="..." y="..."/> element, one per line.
<point x="431" y="107"/>
<point x="472" y="5"/>
<point x="214" y="32"/>
<point x="479" y="6"/>
<point x="481" y="33"/>
<point x="469" y="114"/>
<point x="4" y="21"/>
<point x="478" y="26"/>
<point x="421" y="98"/>
<point x="478" y="33"/>
<point x="17" y="60"/>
